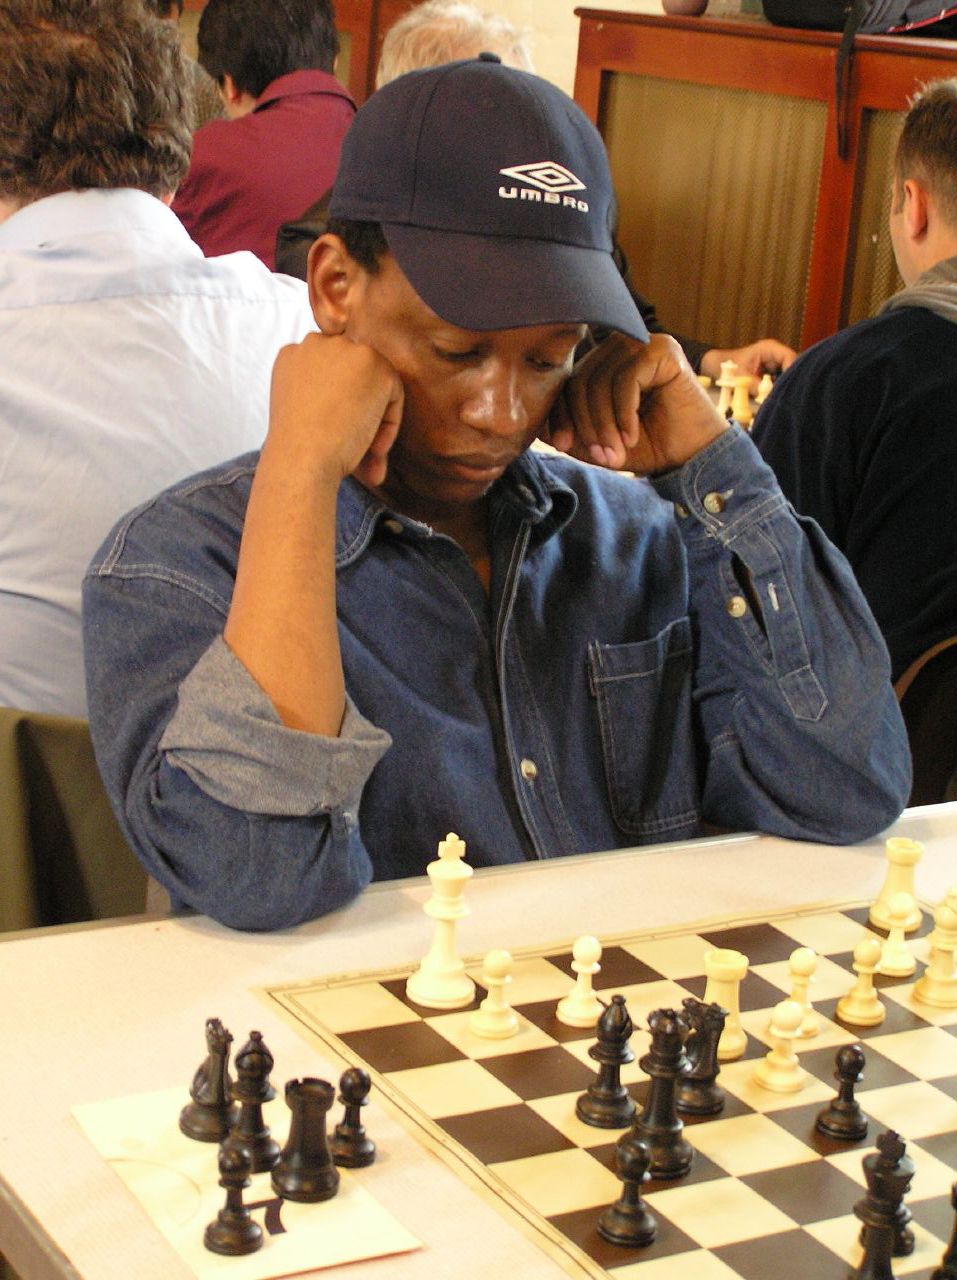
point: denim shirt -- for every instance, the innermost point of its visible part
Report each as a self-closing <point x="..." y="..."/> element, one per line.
<point x="615" y="687"/>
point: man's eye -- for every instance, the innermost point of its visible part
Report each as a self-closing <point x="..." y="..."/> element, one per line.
<point x="454" y="357"/>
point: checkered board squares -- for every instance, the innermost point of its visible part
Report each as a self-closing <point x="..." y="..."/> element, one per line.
<point x="767" y="1195"/>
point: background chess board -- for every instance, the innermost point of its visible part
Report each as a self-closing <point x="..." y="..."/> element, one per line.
<point x="767" y="1195"/>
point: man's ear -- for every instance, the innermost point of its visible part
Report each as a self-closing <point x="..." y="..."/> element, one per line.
<point x="333" y="276"/>
<point x="915" y="209"/>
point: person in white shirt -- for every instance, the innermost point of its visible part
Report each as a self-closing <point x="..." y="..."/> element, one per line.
<point x="127" y="360"/>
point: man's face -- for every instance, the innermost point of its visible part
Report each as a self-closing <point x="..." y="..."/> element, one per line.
<point x="473" y="401"/>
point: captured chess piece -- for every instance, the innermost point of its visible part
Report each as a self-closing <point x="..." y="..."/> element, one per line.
<point x="897" y="960"/>
<point x="861" y="1007"/>
<point x="780" y="1069"/>
<point x="725" y="970"/>
<point x="697" y="1092"/>
<point x="351" y="1147"/>
<point x="629" y="1221"/>
<point x="948" y="1263"/>
<point x="888" y="1171"/>
<point x="252" y="1088"/>
<point x="440" y="982"/>
<point x="938" y="984"/>
<point x="606" y="1103"/>
<point x="581" y="1007"/>
<point x="843" y="1118"/>
<point x="210" y="1115"/>
<point x="233" y="1233"/>
<point x="902" y="857"/>
<point x="305" y="1171"/>
<point x="659" y="1125"/>
<point x="495" y="1019"/>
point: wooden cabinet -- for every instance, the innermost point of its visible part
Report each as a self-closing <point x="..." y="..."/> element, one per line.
<point x="739" y="215"/>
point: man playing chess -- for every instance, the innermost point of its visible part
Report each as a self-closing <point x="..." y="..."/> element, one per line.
<point x="860" y="431"/>
<point x="306" y="665"/>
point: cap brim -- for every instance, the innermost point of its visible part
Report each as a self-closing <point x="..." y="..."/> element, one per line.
<point x="496" y="282"/>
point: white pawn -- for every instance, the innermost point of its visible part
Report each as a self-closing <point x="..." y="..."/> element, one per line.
<point x="495" y="1019"/>
<point x="802" y="964"/>
<point x="440" y="982"/>
<point x="780" y="1070"/>
<point x="581" y="1007"/>
<point x="897" y="960"/>
<point x="726" y="383"/>
<point x="861" y="1007"/>
<point x="741" y="409"/>
<point x="902" y="856"/>
<point x="725" y="970"/>
<point x="765" y="387"/>
<point x="938" y="986"/>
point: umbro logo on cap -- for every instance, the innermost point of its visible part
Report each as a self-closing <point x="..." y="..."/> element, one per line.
<point x="544" y="181"/>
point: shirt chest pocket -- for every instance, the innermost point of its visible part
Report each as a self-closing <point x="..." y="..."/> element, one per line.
<point x="642" y="694"/>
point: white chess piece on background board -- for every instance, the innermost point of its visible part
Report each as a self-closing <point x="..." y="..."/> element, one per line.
<point x="938" y="985"/>
<point x="802" y="963"/>
<point x="440" y="982"/>
<point x="581" y="1007"/>
<point x="725" y="970"/>
<point x="495" y="1019"/>
<point x="726" y="382"/>
<point x="861" y="1007"/>
<point x="897" y="960"/>
<point x="780" y="1069"/>
<point x="902" y="857"/>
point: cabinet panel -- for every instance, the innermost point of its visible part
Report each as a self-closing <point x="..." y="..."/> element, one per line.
<point x="716" y="222"/>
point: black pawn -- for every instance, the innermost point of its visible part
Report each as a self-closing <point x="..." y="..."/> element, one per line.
<point x="948" y="1263"/>
<point x="697" y="1092"/>
<point x="888" y="1172"/>
<point x="629" y="1221"/>
<point x="210" y="1115"/>
<point x="606" y="1103"/>
<point x="351" y="1147"/>
<point x="843" y="1118"/>
<point x="659" y="1125"/>
<point x="234" y="1232"/>
<point x="252" y="1088"/>
<point x="305" y="1171"/>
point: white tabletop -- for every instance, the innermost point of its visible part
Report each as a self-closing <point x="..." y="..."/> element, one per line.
<point x="102" y="1012"/>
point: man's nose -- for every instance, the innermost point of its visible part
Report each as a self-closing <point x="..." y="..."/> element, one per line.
<point x="495" y="403"/>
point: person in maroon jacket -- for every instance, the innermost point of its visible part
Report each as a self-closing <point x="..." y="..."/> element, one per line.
<point x="287" y="115"/>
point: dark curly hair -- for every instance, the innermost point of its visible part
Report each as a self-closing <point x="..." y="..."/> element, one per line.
<point x="94" y="93"/>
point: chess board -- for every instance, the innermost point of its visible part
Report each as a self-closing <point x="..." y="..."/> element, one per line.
<point x="767" y="1195"/>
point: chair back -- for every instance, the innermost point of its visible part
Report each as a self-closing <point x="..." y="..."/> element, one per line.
<point x="927" y="693"/>
<point x="63" y="857"/>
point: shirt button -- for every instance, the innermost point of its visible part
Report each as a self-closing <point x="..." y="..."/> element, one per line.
<point x="737" y="606"/>
<point x="529" y="770"/>
<point x="713" y="503"/>
<point x="681" y="511"/>
<point x="394" y="526"/>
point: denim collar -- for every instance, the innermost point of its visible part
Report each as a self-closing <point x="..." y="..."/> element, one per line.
<point x="528" y="488"/>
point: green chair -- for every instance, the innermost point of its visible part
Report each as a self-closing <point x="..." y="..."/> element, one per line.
<point x="63" y="857"/>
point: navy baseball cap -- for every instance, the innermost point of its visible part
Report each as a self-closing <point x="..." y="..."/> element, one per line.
<point x="493" y="191"/>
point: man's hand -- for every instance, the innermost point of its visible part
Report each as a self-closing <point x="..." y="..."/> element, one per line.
<point x="335" y="408"/>
<point x="767" y="355"/>
<point x="634" y="406"/>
